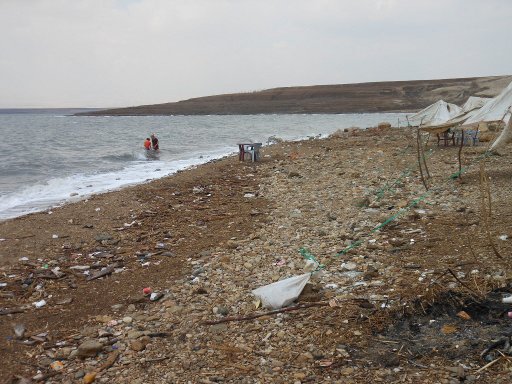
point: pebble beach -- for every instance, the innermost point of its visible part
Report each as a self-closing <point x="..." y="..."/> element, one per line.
<point x="413" y="264"/>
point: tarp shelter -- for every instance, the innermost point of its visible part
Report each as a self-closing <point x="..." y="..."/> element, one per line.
<point x="494" y="110"/>
<point x="473" y="103"/>
<point x="435" y="114"/>
<point x="470" y="107"/>
<point x="497" y="109"/>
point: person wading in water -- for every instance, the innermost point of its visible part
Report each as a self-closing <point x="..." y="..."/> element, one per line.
<point x="154" y="142"/>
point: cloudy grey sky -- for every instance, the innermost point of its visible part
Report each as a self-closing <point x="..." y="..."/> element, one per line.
<point x="110" y="53"/>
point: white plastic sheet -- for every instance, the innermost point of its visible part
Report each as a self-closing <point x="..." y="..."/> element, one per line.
<point x="435" y="114"/>
<point x="283" y="292"/>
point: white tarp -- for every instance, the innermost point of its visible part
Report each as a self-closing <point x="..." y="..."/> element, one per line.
<point x="469" y="109"/>
<point x="474" y="102"/>
<point x="495" y="109"/>
<point x="435" y="114"/>
<point x="505" y="136"/>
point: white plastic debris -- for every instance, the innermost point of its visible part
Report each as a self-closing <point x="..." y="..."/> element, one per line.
<point x="55" y="236"/>
<point x="283" y="292"/>
<point x="40" y="303"/>
<point x="80" y="267"/>
<point x="507" y="300"/>
<point x="504" y="237"/>
<point x="310" y="266"/>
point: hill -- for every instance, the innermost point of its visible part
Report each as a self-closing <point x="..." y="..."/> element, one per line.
<point x="390" y="96"/>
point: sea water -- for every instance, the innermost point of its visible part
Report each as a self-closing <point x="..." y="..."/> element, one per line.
<point x="50" y="157"/>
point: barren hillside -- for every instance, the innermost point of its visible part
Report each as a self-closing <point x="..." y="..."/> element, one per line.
<point x="391" y="96"/>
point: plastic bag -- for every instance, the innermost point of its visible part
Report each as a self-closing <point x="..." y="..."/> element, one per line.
<point x="283" y="292"/>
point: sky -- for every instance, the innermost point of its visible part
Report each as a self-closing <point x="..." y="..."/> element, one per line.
<point x="117" y="53"/>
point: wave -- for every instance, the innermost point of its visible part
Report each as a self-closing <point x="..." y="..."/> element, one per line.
<point x="123" y="157"/>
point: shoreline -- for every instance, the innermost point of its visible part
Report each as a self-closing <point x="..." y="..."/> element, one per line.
<point x="206" y="237"/>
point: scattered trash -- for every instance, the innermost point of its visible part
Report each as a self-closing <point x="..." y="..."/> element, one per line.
<point x="80" y="267"/>
<point x="507" y="300"/>
<point x="156" y="296"/>
<point x="504" y="237"/>
<point x="55" y="236"/>
<point x="40" y="303"/>
<point x="283" y="292"/>
<point x="325" y="363"/>
<point x="19" y="331"/>
<point x="464" y="315"/>
<point x="57" y="365"/>
<point x="147" y="291"/>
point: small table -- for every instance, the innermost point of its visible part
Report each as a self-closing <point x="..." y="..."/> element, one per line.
<point x="251" y="148"/>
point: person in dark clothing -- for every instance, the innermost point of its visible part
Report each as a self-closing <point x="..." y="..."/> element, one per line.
<point x="154" y="142"/>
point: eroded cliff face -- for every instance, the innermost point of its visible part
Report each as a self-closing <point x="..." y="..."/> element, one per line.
<point x="391" y="96"/>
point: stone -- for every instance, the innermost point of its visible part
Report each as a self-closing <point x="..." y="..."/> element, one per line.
<point x="139" y="344"/>
<point x="89" y="348"/>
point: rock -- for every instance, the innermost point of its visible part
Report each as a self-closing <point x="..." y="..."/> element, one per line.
<point x="79" y="374"/>
<point x="140" y="344"/>
<point x="127" y="320"/>
<point x="223" y="311"/>
<point x="103" y="237"/>
<point x="219" y="328"/>
<point x="89" y="348"/>
<point x="304" y="357"/>
<point x="135" y="334"/>
<point x="89" y="378"/>
<point x="63" y="353"/>
<point x="362" y="202"/>
<point x="19" y="331"/>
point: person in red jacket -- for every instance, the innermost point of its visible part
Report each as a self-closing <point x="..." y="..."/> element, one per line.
<point x="147" y="144"/>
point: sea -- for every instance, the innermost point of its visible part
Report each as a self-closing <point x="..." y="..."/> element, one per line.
<point x="51" y="157"/>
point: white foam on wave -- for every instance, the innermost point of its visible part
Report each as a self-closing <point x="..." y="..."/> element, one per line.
<point x="58" y="191"/>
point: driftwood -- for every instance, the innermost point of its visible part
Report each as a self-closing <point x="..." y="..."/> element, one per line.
<point x="111" y="359"/>
<point x="459" y="154"/>
<point x="8" y="311"/>
<point x="102" y="273"/>
<point x="421" y="159"/>
<point x="256" y="315"/>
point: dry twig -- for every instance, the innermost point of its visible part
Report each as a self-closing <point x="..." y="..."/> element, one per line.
<point x="485" y="198"/>
<point x="256" y="315"/>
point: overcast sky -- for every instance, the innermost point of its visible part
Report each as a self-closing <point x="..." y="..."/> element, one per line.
<point x="111" y="53"/>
